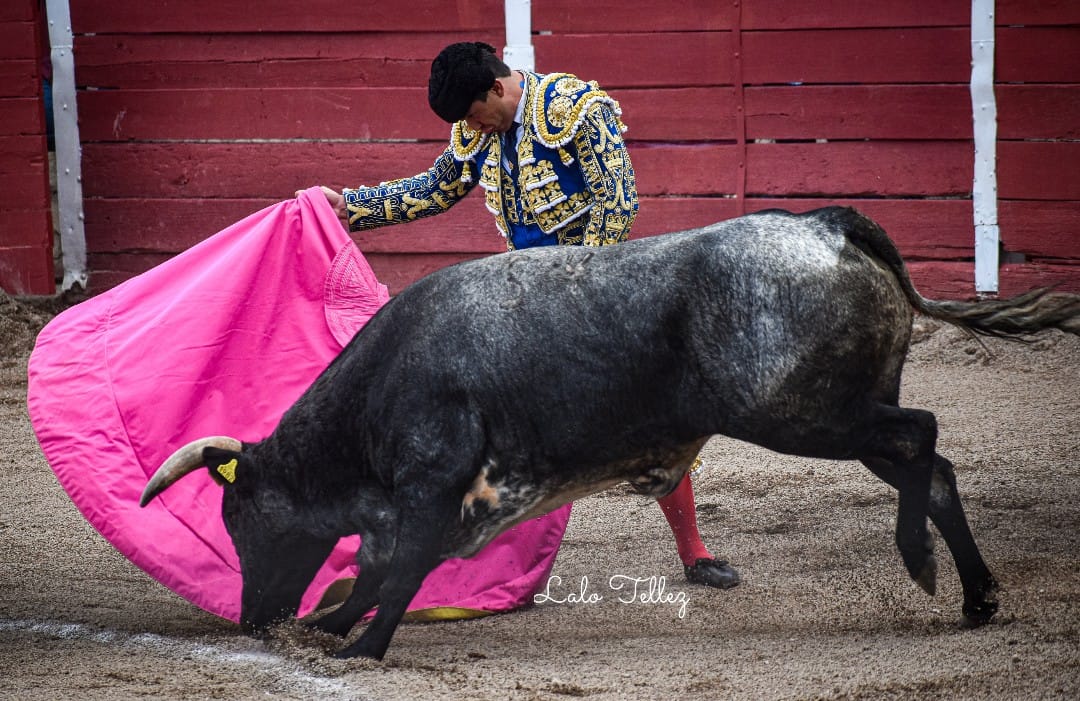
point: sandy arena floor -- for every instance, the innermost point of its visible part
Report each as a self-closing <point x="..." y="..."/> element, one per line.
<point x="825" y="610"/>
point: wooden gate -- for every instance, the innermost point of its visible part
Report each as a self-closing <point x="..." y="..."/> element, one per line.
<point x="26" y="238"/>
<point x="196" y="114"/>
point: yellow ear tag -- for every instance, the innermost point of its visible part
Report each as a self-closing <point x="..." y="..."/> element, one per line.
<point x="228" y="471"/>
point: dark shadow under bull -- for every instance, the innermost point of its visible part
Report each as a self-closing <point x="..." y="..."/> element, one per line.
<point x="496" y="390"/>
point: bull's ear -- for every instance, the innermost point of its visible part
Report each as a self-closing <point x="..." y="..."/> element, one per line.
<point x="222" y="464"/>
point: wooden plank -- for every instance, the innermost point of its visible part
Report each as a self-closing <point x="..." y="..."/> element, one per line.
<point x="245" y="170"/>
<point x="270" y="113"/>
<point x="870" y="168"/>
<point x="264" y="60"/>
<point x="833" y="14"/>
<point x="1040" y="229"/>
<point x="1037" y="54"/>
<point x="360" y="114"/>
<point x="27" y="270"/>
<point x="24" y="174"/>
<point x="171" y="226"/>
<point x="859" y="112"/>
<point x="399" y="270"/>
<point x="935" y="279"/>
<point x="618" y="16"/>
<point x="209" y="170"/>
<point x="21" y="116"/>
<point x="379" y="60"/>
<point x="678" y="114"/>
<point x="19" y="40"/>
<point x="1018" y="278"/>
<point x="139" y="16"/>
<point x="927" y="55"/>
<point x="661" y="215"/>
<point x="915" y="55"/>
<point x="20" y="79"/>
<point x="684" y="169"/>
<point x="106" y="271"/>
<point x="395" y="60"/>
<point x="639" y="59"/>
<point x="921" y="228"/>
<point x="19" y="10"/>
<point x="943" y="280"/>
<point x="22" y="154"/>
<point x="834" y="56"/>
<point x="24" y="226"/>
<point x="405" y="263"/>
<point x="395" y="270"/>
<point x="1038" y="111"/>
<point x="552" y="15"/>
<point x="1044" y="12"/>
<point x="1038" y="170"/>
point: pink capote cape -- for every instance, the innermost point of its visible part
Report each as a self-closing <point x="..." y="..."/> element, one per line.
<point x="222" y="339"/>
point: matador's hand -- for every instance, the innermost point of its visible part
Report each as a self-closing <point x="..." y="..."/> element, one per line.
<point x="336" y="200"/>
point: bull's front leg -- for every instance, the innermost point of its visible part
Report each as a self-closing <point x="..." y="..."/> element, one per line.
<point x="376" y="550"/>
<point x="417" y="553"/>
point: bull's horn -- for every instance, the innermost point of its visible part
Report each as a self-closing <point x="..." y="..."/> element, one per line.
<point x="183" y="461"/>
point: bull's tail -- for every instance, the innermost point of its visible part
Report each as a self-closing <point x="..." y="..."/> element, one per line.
<point x="1015" y="317"/>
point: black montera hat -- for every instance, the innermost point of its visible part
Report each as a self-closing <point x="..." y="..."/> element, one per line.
<point x="458" y="76"/>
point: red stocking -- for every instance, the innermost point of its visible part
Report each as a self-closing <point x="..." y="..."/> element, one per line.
<point x="681" y="514"/>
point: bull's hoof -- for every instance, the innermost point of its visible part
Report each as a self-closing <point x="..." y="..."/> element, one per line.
<point x="920" y="562"/>
<point x="927" y="576"/>
<point x="362" y="648"/>
<point x="976" y="615"/>
<point x="712" y="573"/>
<point x="334" y="625"/>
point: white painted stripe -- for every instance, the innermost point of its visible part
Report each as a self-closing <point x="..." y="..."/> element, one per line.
<point x="984" y="118"/>
<point x="246" y="652"/>
<point x="518" y="52"/>
<point x="68" y="148"/>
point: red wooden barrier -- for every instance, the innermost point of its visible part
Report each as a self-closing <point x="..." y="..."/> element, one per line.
<point x="195" y="115"/>
<point x="26" y="265"/>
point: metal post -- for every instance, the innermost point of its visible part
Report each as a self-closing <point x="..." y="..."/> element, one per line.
<point x="518" y="52"/>
<point x="68" y="150"/>
<point x="984" y="107"/>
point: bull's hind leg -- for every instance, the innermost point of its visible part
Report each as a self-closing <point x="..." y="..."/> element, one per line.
<point x="906" y="438"/>
<point x="980" y="601"/>
<point x="947" y="513"/>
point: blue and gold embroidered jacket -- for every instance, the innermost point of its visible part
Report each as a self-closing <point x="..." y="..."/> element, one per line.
<point x="572" y="182"/>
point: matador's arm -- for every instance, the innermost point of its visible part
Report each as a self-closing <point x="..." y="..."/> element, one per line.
<point x="424" y="195"/>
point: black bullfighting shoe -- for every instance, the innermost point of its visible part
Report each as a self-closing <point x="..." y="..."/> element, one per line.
<point x="712" y="573"/>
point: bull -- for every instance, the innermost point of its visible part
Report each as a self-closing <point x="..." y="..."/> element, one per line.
<point x="499" y="389"/>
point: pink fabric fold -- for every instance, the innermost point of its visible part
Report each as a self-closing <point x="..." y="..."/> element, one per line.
<point x="222" y="339"/>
